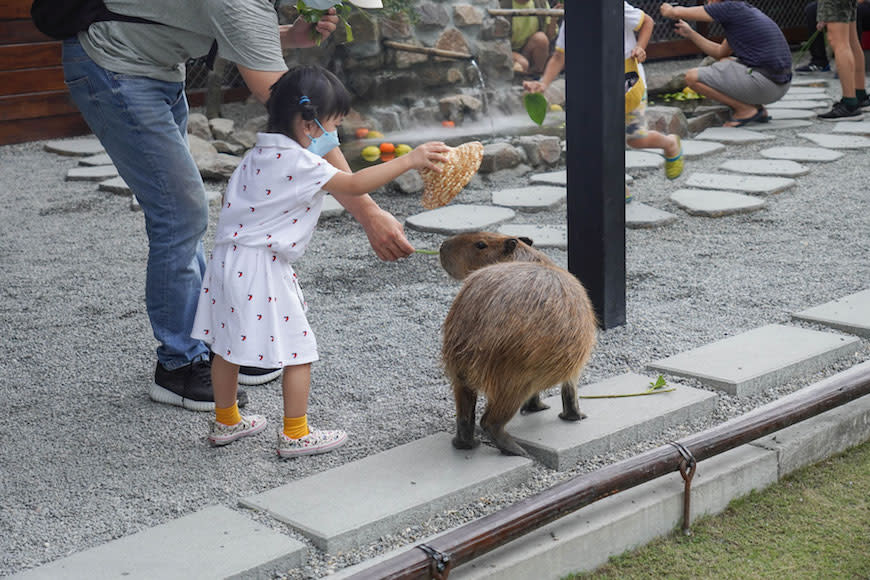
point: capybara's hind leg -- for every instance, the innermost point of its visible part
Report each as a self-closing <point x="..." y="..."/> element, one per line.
<point x="466" y="402"/>
<point x="493" y="422"/>
<point x="570" y="408"/>
<point x="533" y="405"/>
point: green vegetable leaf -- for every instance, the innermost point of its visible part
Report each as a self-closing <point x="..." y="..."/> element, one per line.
<point x="660" y="383"/>
<point x="536" y="106"/>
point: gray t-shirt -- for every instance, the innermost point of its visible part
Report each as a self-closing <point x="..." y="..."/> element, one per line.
<point x="246" y="32"/>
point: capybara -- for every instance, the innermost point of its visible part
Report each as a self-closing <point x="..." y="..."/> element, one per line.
<point x="514" y="330"/>
<point x="463" y="253"/>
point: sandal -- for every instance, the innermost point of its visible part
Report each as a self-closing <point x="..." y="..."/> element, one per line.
<point x="760" y="116"/>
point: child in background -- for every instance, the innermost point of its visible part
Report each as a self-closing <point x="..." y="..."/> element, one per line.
<point x="637" y="136"/>
<point x="251" y="310"/>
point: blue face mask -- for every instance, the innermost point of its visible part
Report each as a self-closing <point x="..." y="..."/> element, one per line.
<point x="325" y="143"/>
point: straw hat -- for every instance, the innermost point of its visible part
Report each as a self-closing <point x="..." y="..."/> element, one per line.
<point x="462" y="163"/>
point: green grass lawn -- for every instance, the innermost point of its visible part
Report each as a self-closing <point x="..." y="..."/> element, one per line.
<point x="815" y="523"/>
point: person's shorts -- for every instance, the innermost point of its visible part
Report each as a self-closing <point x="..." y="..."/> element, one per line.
<point x="837" y="11"/>
<point x="730" y="77"/>
<point x="635" y="121"/>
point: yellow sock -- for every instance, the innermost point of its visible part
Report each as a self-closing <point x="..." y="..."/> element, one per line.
<point x="296" y="427"/>
<point x="228" y="416"/>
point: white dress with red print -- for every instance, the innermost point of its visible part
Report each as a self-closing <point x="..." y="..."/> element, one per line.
<point x="251" y="310"/>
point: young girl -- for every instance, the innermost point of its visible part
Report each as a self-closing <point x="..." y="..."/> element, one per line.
<point x="251" y="310"/>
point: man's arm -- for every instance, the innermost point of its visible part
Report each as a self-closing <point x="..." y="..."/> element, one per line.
<point x="693" y="13"/>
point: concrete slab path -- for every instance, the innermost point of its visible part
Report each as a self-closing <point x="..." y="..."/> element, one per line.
<point x="850" y="314"/>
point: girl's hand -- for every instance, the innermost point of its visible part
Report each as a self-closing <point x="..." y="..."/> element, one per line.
<point x="683" y="29"/>
<point x="639" y="53"/>
<point x="428" y="155"/>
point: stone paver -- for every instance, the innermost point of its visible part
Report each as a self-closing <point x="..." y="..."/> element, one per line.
<point x="732" y="135"/>
<point x="531" y="198"/>
<point x="777" y="113"/>
<point x="744" y="183"/>
<point x="628" y="179"/>
<point x="806" y="154"/>
<point x="693" y="149"/>
<point x="712" y="203"/>
<point x="115" y="185"/>
<point x="214" y="542"/>
<point x="98" y="159"/>
<point x="552" y="178"/>
<point x="459" y="218"/>
<point x="802" y="104"/>
<point x="780" y="167"/>
<point x="812" y="82"/>
<point x="852" y="128"/>
<point x="850" y="314"/>
<point x="642" y="160"/>
<point x="542" y="236"/>
<point x="331" y="207"/>
<point x="391" y="490"/>
<point x="807" y="93"/>
<point x="640" y="215"/>
<point x="759" y="359"/>
<point x="92" y="173"/>
<point x="75" y="147"/>
<point x="837" y="141"/>
<point x="610" y="423"/>
<point x="775" y="124"/>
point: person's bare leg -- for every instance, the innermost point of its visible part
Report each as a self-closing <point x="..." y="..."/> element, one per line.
<point x="225" y="382"/>
<point x="858" y="55"/>
<point x="520" y="62"/>
<point x="839" y="34"/>
<point x="656" y="140"/>
<point x="295" y="386"/>
<point x="741" y="110"/>
<point x="537" y="51"/>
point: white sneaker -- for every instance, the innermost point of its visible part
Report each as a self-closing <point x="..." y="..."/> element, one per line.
<point x="220" y="434"/>
<point x="315" y="442"/>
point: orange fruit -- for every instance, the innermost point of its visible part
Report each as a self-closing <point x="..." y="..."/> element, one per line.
<point x="388" y="148"/>
<point x="361" y="133"/>
<point x="388" y="156"/>
<point x="448" y="123"/>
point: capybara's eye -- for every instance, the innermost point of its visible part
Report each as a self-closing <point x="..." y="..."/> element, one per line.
<point x="481" y="245"/>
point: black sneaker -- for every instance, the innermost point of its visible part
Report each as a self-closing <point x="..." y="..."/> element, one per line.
<point x="813" y="68"/>
<point x="841" y="111"/>
<point x="188" y="387"/>
<point x="864" y="104"/>
<point x="254" y="375"/>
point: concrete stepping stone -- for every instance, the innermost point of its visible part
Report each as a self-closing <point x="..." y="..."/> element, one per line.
<point x="779" y="167"/>
<point x="542" y="236"/>
<point x="551" y="178"/>
<point x="814" y="82"/>
<point x="532" y="198"/>
<point x="331" y="207"/>
<point x="628" y="179"/>
<point x="391" y="490"/>
<point x="775" y="124"/>
<point x="640" y="215"/>
<point x="744" y="183"/>
<point x="837" y="141"/>
<point x="759" y="359"/>
<point x="712" y="203"/>
<point x="92" y="173"/>
<point x="852" y="128"/>
<point x="802" y="104"/>
<point x="732" y="135"/>
<point x="806" y="154"/>
<point x="610" y="423"/>
<point x="810" y="94"/>
<point x="803" y="90"/>
<point x="643" y="160"/>
<point x="115" y="185"/>
<point x="850" y="314"/>
<point x="693" y="149"/>
<point x="459" y="218"/>
<point x="782" y="114"/>
<point x="75" y="147"/>
<point x="94" y="160"/>
<point x="214" y="542"/>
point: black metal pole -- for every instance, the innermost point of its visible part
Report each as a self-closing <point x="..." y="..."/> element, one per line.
<point x="594" y="78"/>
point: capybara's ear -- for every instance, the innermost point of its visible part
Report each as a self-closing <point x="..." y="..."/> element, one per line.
<point x="527" y="241"/>
<point x="510" y="245"/>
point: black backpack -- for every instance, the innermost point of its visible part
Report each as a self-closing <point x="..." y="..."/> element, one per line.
<point x="65" y="18"/>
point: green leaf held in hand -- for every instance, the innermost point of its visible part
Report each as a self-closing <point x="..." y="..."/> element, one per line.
<point x="536" y="106"/>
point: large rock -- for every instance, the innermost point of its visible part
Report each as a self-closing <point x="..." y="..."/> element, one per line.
<point x="667" y="120"/>
<point x="467" y="15"/>
<point x="432" y="15"/>
<point x="455" y="108"/>
<point x="452" y="40"/>
<point x="407" y="59"/>
<point x="542" y="149"/>
<point x="200" y="148"/>
<point x="496" y="60"/>
<point x="496" y="28"/>
<point x="409" y="182"/>
<point x="499" y="156"/>
<point x="221" y="128"/>
<point x="218" y="166"/>
<point x="397" y="27"/>
<point x="197" y="124"/>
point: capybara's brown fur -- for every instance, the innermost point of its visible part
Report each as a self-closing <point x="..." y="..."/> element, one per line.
<point x="514" y="330"/>
<point x="463" y="253"/>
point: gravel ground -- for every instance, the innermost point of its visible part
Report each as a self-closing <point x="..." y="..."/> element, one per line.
<point x="88" y="458"/>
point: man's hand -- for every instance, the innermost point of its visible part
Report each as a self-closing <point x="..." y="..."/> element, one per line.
<point x="683" y="29"/>
<point x="666" y="10"/>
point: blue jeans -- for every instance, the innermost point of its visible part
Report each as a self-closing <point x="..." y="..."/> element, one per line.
<point x="142" y="124"/>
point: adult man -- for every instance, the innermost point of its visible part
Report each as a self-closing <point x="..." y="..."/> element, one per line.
<point x="838" y="17"/>
<point x="127" y="79"/>
<point x="760" y="73"/>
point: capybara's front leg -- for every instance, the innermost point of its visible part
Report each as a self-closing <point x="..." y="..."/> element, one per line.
<point x="533" y="405"/>
<point x="466" y="402"/>
<point x="570" y="408"/>
<point x="493" y="422"/>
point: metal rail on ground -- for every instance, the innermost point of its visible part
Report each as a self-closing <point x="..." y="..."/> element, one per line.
<point x="458" y="546"/>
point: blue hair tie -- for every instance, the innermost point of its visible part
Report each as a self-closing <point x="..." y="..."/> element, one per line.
<point x="303" y="99"/>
